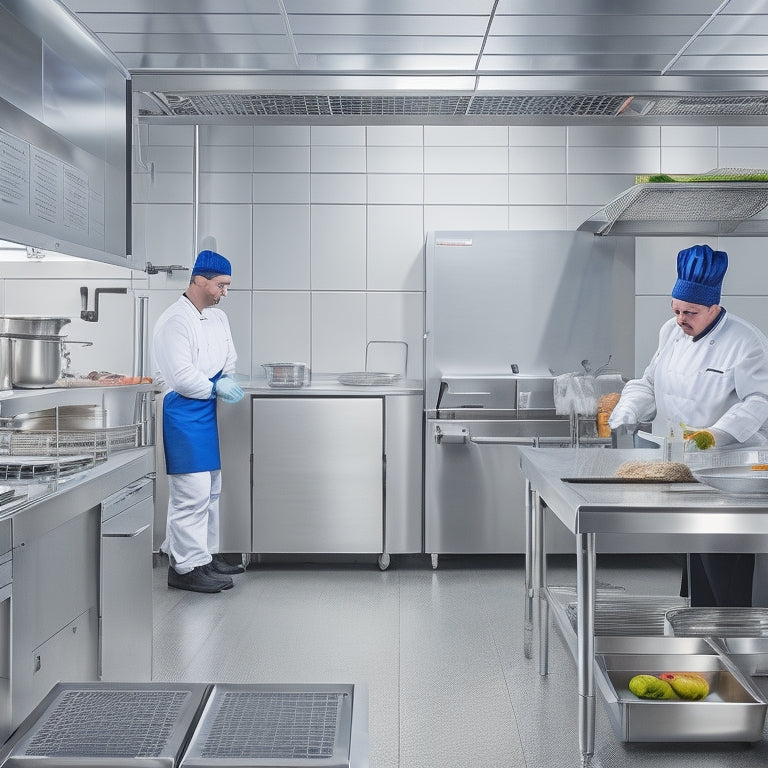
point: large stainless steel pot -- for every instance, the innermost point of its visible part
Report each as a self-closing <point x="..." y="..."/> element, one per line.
<point x="6" y="381"/>
<point x="31" y="325"/>
<point x="35" y="362"/>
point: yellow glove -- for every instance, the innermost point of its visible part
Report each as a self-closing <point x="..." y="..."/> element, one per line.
<point x="702" y="438"/>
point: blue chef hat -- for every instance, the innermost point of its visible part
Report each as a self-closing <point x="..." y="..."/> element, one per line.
<point x="210" y="264"/>
<point x="700" y="272"/>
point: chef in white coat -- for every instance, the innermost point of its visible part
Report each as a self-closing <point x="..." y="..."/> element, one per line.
<point x="709" y="373"/>
<point x="194" y="359"/>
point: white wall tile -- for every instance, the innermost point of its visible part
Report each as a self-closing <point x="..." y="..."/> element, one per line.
<point x="457" y="217"/>
<point x="688" y="159"/>
<point x="226" y="159"/>
<point x="280" y="187"/>
<point x="537" y="217"/>
<point x="337" y="247"/>
<point x="395" y="135"/>
<point x="651" y="312"/>
<point x="397" y="317"/>
<point x="537" y="160"/>
<point x="537" y="189"/>
<point x="465" y="135"/>
<point x="688" y="136"/>
<point x="742" y="135"/>
<point x="163" y="234"/>
<point x="338" y="187"/>
<point x="614" y="159"/>
<point x="226" y="135"/>
<point x="341" y="135"/>
<point x="743" y="157"/>
<point x="576" y="215"/>
<point x="281" y="247"/>
<point x="162" y="188"/>
<point x="395" y="248"/>
<point x="337" y="159"/>
<point x="171" y="134"/>
<point x="281" y="159"/>
<point x="465" y="189"/>
<point x="225" y="187"/>
<point x="280" y="135"/>
<point x="465" y="159"/>
<point x="746" y="274"/>
<point x="237" y="305"/>
<point x="227" y="230"/>
<point x="338" y="332"/>
<point x="537" y="135"/>
<point x="164" y="159"/>
<point x="394" y="188"/>
<point x="597" y="189"/>
<point x="281" y="328"/>
<point x="751" y="308"/>
<point x="395" y="160"/>
<point x="614" y="136"/>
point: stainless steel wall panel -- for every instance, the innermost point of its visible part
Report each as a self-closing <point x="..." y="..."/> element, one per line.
<point x="337" y="246"/>
<point x="337" y="187"/>
<point x="395" y="189"/>
<point x="537" y="189"/>
<point x="334" y="159"/>
<point x="382" y="159"/>
<point x="281" y="159"/>
<point x="22" y="52"/>
<point x="537" y="159"/>
<point x="465" y="159"/>
<point x="338" y="331"/>
<point x="280" y="188"/>
<point x="288" y="339"/>
<point x="465" y="189"/>
<point x="281" y="258"/>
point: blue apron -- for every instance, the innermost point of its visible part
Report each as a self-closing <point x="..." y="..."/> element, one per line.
<point x="190" y="434"/>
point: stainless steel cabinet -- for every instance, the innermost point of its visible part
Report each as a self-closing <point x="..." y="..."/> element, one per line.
<point x="125" y="595"/>
<point x="318" y="474"/>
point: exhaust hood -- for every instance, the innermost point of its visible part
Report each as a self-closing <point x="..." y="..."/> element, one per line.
<point x="731" y="203"/>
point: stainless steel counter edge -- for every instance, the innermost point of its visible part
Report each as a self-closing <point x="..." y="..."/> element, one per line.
<point x="329" y="385"/>
<point x="675" y="518"/>
<point x="80" y="492"/>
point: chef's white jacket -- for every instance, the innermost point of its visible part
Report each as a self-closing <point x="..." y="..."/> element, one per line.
<point x="190" y="348"/>
<point x="718" y="382"/>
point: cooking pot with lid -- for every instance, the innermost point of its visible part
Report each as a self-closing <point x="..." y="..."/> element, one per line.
<point x="31" y="325"/>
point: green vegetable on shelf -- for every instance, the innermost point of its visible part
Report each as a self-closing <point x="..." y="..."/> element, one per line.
<point x="651" y="687"/>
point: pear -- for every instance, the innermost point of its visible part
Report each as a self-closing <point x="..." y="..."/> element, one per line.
<point x="687" y="685"/>
<point x="651" y="687"/>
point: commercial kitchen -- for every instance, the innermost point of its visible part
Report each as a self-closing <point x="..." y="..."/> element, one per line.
<point x="443" y="218"/>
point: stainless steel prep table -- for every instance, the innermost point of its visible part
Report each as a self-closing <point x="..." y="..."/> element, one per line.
<point x="657" y="517"/>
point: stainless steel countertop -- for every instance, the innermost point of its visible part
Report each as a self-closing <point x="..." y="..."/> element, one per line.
<point x="668" y="517"/>
<point x="328" y="384"/>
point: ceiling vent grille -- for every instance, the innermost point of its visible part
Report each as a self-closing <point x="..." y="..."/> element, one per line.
<point x="364" y="105"/>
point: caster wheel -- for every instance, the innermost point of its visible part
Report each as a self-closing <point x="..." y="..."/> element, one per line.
<point x="383" y="561"/>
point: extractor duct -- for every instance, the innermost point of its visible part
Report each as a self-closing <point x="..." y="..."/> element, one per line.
<point x="236" y="104"/>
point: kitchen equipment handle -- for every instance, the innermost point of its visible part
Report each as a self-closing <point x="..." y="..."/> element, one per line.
<point x="505" y="440"/>
<point x="126" y="534"/>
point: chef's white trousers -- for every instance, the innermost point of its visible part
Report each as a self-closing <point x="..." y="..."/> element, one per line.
<point x="192" y="526"/>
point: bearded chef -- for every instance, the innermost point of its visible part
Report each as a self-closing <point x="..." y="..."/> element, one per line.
<point x="194" y="359"/>
<point x="709" y="373"/>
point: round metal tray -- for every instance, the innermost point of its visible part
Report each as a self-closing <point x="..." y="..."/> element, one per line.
<point x="740" y="480"/>
<point x="368" y="379"/>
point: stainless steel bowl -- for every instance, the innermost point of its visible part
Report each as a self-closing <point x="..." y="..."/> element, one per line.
<point x="31" y="325"/>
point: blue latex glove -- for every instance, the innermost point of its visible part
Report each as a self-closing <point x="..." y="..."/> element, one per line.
<point x="228" y="390"/>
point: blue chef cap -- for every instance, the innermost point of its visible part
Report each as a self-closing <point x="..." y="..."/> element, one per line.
<point x="210" y="264"/>
<point x="700" y="272"/>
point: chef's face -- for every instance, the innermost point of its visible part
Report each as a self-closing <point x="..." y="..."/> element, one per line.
<point x="215" y="288"/>
<point x="694" y="318"/>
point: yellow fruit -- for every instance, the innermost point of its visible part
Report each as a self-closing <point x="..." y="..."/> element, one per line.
<point x="687" y="685"/>
<point x="651" y="687"/>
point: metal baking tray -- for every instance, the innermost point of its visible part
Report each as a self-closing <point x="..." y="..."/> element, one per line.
<point x="734" y="710"/>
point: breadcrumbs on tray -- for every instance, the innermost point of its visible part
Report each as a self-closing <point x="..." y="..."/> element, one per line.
<point x="665" y="471"/>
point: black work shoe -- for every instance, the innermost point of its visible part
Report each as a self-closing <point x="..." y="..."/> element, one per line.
<point x="220" y="564"/>
<point x="196" y="580"/>
<point x="224" y="580"/>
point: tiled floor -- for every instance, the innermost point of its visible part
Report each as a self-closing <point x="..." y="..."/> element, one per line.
<point x="441" y="652"/>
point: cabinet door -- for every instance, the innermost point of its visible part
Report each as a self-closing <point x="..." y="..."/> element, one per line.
<point x="317" y="479"/>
